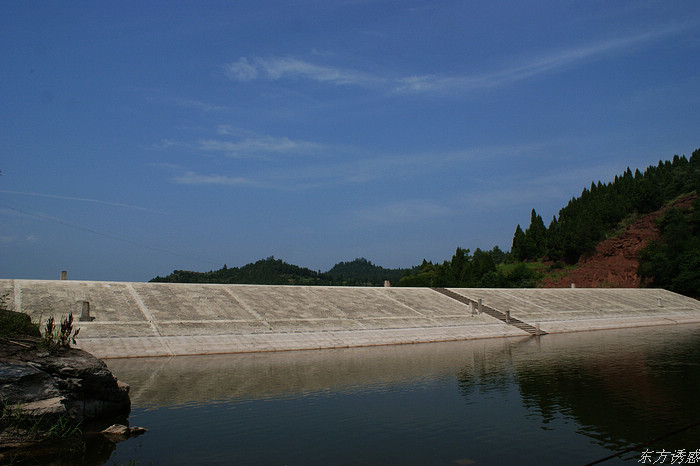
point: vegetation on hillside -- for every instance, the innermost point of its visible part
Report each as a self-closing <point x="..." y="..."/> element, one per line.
<point x="483" y="269"/>
<point x="362" y="272"/>
<point x="672" y="262"/>
<point x="271" y="271"/>
<point x="587" y="219"/>
<point x="268" y="271"/>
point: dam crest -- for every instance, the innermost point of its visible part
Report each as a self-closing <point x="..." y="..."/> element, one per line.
<point x="129" y="319"/>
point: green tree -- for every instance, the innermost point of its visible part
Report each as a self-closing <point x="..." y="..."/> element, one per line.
<point x="498" y="255"/>
<point x="518" y="246"/>
<point x="535" y="237"/>
<point x="673" y="261"/>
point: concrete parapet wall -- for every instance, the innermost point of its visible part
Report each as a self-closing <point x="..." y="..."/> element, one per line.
<point x="157" y="319"/>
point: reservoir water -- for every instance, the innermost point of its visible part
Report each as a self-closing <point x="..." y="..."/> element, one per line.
<point x="556" y="399"/>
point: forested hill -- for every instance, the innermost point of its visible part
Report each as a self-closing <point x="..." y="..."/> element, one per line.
<point x="602" y="212"/>
<point x="268" y="271"/>
<point x="543" y="255"/>
<point x="273" y="271"/>
<point x="363" y="271"/>
<point x="650" y="219"/>
<point x="588" y="219"/>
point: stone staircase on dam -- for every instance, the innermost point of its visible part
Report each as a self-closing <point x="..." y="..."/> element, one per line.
<point x="502" y="316"/>
<point x="151" y="319"/>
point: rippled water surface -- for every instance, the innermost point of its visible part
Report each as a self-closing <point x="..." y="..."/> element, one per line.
<point x="557" y="399"/>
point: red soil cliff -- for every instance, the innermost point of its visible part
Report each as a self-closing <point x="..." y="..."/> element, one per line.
<point x="614" y="262"/>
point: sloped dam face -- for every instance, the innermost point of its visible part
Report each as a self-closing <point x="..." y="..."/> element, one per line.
<point x="120" y="319"/>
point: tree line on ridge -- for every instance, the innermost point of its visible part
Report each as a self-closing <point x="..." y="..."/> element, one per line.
<point x="672" y="261"/>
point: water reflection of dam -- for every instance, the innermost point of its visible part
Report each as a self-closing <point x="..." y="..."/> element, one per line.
<point x="579" y="396"/>
<point x="615" y="383"/>
<point x="482" y="364"/>
<point x="203" y="378"/>
<point x="122" y="319"/>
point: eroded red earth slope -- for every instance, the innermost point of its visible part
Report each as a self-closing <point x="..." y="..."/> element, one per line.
<point x="615" y="260"/>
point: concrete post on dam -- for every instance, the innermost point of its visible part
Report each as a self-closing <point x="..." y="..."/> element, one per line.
<point x="85" y="312"/>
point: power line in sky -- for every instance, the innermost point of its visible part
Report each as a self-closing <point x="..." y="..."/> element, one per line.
<point x="48" y="218"/>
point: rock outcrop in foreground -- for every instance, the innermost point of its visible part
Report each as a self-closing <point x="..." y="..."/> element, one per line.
<point x="39" y="388"/>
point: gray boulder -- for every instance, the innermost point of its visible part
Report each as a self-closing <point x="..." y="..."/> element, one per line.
<point x="40" y="382"/>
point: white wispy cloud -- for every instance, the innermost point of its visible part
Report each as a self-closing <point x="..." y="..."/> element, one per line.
<point x="293" y="68"/>
<point x="345" y="165"/>
<point x="538" y="65"/>
<point x="259" y="146"/>
<point x="156" y="95"/>
<point x="9" y="239"/>
<point x="193" y="178"/>
<point x="240" y="143"/>
<point x="278" y="68"/>
<point x="241" y="70"/>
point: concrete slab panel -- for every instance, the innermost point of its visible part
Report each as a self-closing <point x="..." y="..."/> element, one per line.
<point x="109" y="301"/>
<point x="169" y="301"/>
<point x="281" y="302"/>
<point x="360" y="303"/>
<point x="425" y="301"/>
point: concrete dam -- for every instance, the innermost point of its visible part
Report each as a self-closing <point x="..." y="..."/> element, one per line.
<point x="123" y="319"/>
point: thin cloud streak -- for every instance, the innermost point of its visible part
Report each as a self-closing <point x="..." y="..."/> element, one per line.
<point x="539" y="66"/>
<point x="245" y="70"/>
<point x="363" y="168"/>
<point x="14" y="240"/>
<point x="248" y="145"/>
<point x="83" y="199"/>
<point x="193" y="178"/>
<point x="161" y="96"/>
<point x="292" y="68"/>
<point x="259" y="145"/>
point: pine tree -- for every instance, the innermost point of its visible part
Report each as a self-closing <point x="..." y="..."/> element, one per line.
<point x="517" y="247"/>
<point x="535" y="237"/>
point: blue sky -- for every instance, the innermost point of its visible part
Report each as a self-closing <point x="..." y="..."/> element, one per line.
<point x="142" y="137"/>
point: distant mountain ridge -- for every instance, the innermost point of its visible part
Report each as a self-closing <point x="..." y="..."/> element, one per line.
<point x="271" y="271"/>
<point x="362" y="270"/>
<point x="642" y="229"/>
